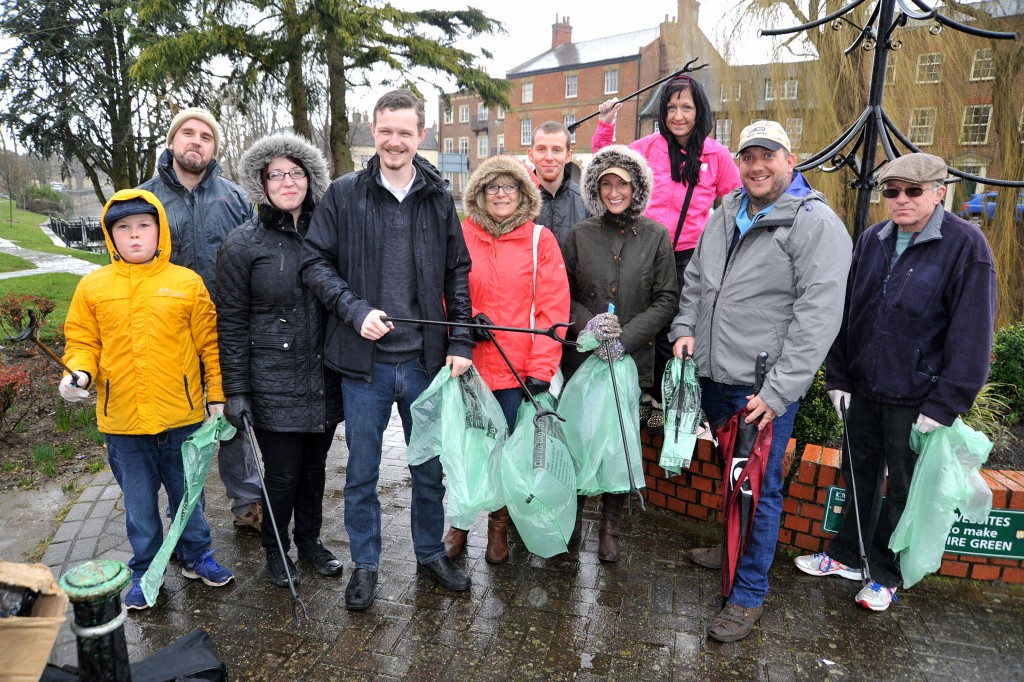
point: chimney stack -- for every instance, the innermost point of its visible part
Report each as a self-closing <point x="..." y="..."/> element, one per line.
<point x="561" y="32"/>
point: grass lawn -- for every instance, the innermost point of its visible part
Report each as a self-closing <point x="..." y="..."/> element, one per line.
<point x="25" y="233"/>
<point x="57" y="286"/>
<point x="9" y="263"/>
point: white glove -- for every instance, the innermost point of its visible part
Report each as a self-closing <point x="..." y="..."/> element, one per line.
<point x="75" y="394"/>
<point x="925" y="424"/>
<point x="835" y="395"/>
<point x="215" y="410"/>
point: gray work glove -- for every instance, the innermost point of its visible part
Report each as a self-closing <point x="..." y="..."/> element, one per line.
<point x="604" y="327"/>
<point x="835" y="395"/>
<point x="611" y="350"/>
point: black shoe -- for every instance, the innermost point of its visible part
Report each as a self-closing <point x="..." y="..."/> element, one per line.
<point x="447" y="574"/>
<point x="275" y="568"/>
<point x="360" y="591"/>
<point x="320" y="558"/>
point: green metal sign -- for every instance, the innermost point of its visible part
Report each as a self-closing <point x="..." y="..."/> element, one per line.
<point x="1002" y="536"/>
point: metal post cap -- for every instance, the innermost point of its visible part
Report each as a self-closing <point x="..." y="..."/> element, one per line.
<point x="95" y="580"/>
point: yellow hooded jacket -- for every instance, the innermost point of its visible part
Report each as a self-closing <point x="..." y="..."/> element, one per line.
<point x="141" y="331"/>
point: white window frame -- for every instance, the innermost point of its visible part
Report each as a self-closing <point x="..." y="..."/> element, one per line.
<point x="568" y="120"/>
<point x="723" y="131"/>
<point x="921" y="130"/>
<point x="572" y="86"/>
<point x="449" y="145"/>
<point x="449" y="116"/>
<point x="526" y="132"/>
<point x="527" y="92"/>
<point x="463" y="113"/>
<point x="483" y="147"/>
<point x="769" y="90"/>
<point x="983" y="66"/>
<point x="973" y="115"/>
<point x="1020" y="125"/>
<point x="501" y="143"/>
<point x="890" y="70"/>
<point x="731" y="92"/>
<point x="929" y="67"/>
<point x="501" y="113"/>
<point x="795" y="130"/>
<point x="611" y="81"/>
<point x="464" y="146"/>
<point x="790" y="87"/>
<point x="482" y="113"/>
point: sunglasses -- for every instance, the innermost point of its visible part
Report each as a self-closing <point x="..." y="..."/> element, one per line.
<point x="911" y="192"/>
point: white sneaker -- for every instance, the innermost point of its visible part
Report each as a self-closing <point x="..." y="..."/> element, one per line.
<point x="876" y="596"/>
<point x="822" y="564"/>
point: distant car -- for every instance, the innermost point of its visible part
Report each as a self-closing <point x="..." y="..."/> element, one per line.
<point x="57" y="186"/>
<point x="972" y="208"/>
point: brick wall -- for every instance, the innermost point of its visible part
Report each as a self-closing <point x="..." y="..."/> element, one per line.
<point x="697" y="493"/>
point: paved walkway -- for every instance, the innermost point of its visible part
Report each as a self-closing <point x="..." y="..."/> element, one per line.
<point x="45" y="262"/>
<point x="566" y="618"/>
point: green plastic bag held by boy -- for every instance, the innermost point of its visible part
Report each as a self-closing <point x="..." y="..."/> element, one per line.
<point x="461" y="421"/>
<point x="539" y="481"/>
<point x="681" y="390"/>
<point x="946" y="479"/>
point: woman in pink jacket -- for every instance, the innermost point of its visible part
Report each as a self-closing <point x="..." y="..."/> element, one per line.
<point x="691" y="171"/>
<point x="517" y="271"/>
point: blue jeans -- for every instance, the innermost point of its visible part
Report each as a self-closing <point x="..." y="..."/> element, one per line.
<point x="367" y="410"/>
<point x="141" y="464"/>
<point x="510" y="399"/>
<point x="751" y="582"/>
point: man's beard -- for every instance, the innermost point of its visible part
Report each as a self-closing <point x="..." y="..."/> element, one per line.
<point x="196" y="167"/>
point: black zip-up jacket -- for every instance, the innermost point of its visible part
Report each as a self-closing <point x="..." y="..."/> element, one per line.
<point x="270" y="328"/>
<point x="342" y="266"/>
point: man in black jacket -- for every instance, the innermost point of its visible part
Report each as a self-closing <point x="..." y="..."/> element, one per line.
<point x="388" y="238"/>
<point x="561" y="202"/>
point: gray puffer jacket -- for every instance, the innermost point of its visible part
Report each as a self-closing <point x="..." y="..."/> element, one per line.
<point x="625" y="259"/>
<point x="270" y="326"/>
<point x="200" y="219"/>
<point x="780" y="289"/>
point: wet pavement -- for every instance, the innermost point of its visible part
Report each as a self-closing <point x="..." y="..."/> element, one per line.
<point x="566" y="618"/>
<point x="45" y="262"/>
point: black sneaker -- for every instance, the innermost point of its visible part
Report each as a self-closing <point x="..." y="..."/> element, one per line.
<point x="275" y="568"/>
<point x="320" y="558"/>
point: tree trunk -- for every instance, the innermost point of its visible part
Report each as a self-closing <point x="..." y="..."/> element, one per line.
<point x="296" y="83"/>
<point x="341" y="157"/>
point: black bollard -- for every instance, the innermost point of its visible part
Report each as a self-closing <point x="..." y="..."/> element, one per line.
<point x="94" y="589"/>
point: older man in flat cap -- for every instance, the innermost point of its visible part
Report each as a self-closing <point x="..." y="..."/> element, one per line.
<point x="913" y="350"/>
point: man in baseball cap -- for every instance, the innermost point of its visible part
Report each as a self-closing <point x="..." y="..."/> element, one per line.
<point x="787" y="255"/>
<point x="913" y="350"/>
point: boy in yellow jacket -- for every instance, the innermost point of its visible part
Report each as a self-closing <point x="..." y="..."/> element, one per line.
<point x="144" y="331"/>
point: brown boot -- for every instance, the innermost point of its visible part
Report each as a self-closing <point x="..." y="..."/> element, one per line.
<point x="611" y="510"/>
<point x="455" y="542"/>
<point x="497" y="537"/>
<point x="577" y="530"/>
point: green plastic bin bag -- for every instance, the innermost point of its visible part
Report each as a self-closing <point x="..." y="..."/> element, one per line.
<point x="680" y="389"/>
<point x="946" y="479"/>
<point x="592" y="428"/>
<point x="539" y="481"/>
<point x="196" y="453"/>
<point x="461" y="421"/>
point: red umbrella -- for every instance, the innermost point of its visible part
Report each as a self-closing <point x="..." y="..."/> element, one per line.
<point x="745" y="451"/>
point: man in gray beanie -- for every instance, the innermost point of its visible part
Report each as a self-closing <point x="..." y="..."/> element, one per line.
<point x="912" y="353"/>
<point x="202" y="208"/>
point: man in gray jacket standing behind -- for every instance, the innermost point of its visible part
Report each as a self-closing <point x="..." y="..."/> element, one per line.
<point x="202" y="208"/>
<point x="768" y="274"/>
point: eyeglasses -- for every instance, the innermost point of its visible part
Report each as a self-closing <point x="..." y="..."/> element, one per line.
<point x="911" y="192"/>
<point x="509" y="189"/>
<point x="278" y="176"/>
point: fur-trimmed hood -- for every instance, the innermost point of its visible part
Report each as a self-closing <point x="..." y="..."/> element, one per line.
<point x="475" y="201"/>
<point x="609" y="157"/>
<point x="268" y="148"/>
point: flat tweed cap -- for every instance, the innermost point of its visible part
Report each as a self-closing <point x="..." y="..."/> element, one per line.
<point x="916" y="167"/>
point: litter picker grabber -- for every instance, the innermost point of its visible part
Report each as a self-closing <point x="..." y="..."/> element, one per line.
<point x="257" y="455"/>
<point x="622" y="424"/>
<point x="551" y="332"/>
<point x="31" y="333"/>
<point x="689" y="68"/>
<point x="865" y="571"/>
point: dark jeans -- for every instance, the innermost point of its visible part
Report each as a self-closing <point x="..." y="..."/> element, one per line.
<point x="141" y="464"/>
<point x="367" y="411"/>
<point x="751" y="583"/>
<point x="662" y="346"/>
<point x="294" y="471"/>
<point x="879" y="438"/>
<point x="510" y="399"/>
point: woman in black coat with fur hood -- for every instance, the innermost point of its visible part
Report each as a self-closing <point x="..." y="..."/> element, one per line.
<point x="621" y="257"/>
<point x="270" y="329"/>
